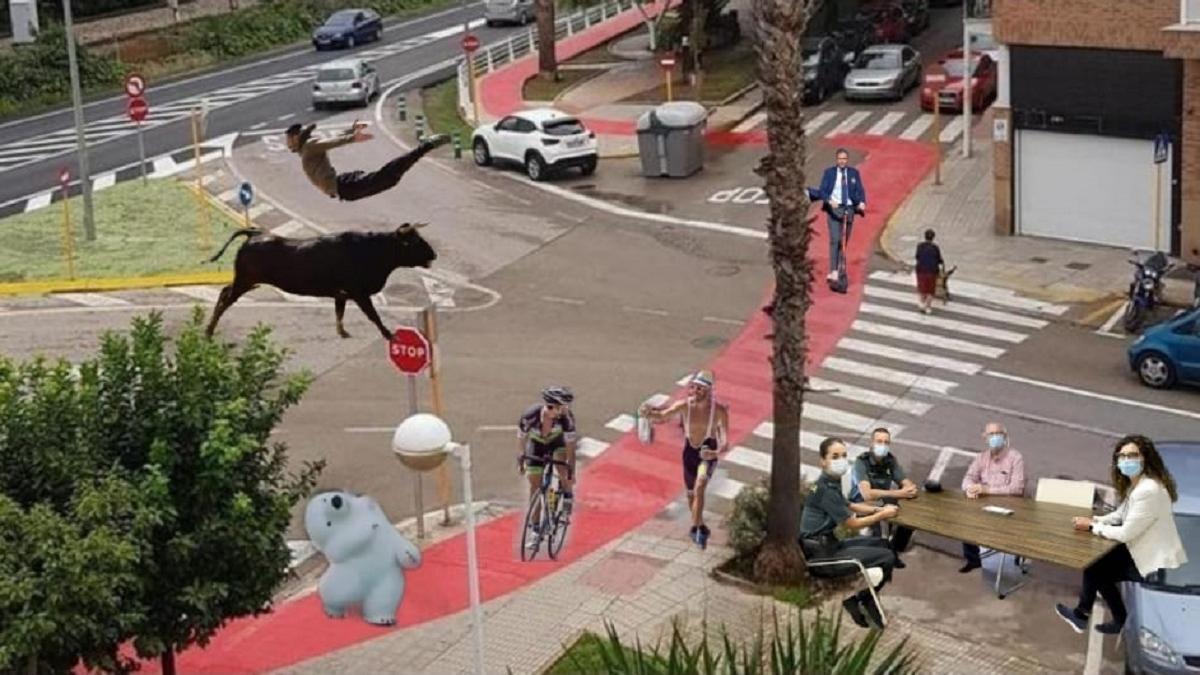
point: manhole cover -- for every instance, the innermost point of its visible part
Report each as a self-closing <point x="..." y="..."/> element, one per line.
<point x="708" y="342"/>
<point x="724" y="270"/>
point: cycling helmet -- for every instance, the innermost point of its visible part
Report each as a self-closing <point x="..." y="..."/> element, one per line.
<point x="557" y="395"/>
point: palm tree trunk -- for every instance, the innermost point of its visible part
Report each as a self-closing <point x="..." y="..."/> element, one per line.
<point x="779" y="25"/>
<point x="547" y="59"/>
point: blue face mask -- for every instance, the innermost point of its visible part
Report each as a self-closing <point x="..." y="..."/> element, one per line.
<point x="880" y="449"/>
<point x="1129" y="467"/>
<point x="996" y="441"/>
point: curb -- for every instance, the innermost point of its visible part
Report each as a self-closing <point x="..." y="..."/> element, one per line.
<point x="114" y="283"/>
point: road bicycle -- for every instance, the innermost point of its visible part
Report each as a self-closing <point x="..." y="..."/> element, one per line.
<point x="545" y="519"/>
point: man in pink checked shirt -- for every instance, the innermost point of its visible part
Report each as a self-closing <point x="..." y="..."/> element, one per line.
<point x="999" y="470"/>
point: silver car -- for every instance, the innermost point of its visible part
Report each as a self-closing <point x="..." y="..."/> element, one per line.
<point x="508" y="11"/>
<point x="1161" y="633"/>
<point x="347" y="81"/>
<point x="883" y="72"/>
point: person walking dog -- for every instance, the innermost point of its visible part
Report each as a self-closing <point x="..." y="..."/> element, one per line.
<point x="929" y="266"/>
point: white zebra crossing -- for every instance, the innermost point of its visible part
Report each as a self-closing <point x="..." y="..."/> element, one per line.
<point x="843" y="419"/>
<point x="849" y="124"/>
<point x="951" y="130"/>
<point x="975" y="311"/>
<point x="918" y="128"/>
<point x="982" y="292"/>
<point x="926" y="338"/>
<point x="868" y="396"/>
<point x="819" y="121"/>
<point x="909" y="356"/>
<point x="890" y="375"/>
<point x="939" y="322"/>
<point x="885" y="123"/>
<point x="757" y="460"/>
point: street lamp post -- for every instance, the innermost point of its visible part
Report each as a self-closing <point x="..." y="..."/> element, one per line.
<point x="85" y="178"/>
<point x="421" y="443"/>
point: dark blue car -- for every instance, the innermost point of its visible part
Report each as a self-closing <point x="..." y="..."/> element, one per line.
<point x="347" y="28"/>
<point x="1169" y="352"/>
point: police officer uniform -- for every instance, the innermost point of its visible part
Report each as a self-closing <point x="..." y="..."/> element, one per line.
<point x="881" y="474"/>
<point x="825" y="509"/>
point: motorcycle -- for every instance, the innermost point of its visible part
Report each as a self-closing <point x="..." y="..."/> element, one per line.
<point x="1145" y="292"/>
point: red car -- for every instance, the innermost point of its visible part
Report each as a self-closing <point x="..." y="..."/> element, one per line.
<point x="945" y="80"/>
<point x="889" y="24"/>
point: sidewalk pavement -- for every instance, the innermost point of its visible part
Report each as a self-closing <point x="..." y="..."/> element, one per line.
<point x="961" y="211"/>
<point x="651" y="577"/>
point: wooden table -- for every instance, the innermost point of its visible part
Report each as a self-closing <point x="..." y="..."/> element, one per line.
<point x="1035" y="530"/>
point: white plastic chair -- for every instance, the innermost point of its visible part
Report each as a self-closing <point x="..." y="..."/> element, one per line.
<point x="873" y="577"/>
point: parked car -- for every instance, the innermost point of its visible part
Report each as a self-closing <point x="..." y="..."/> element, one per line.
<point x="1168" y="352"/>
<point x="824" y="68"/>
<point x="543" y="140"/>
<point x="890" y="25"/>
<point x="853" y="35"/>
<point x="1160" y="632"/>
<point x="916" y="13"/>
<point x="347" y="28"/>
<point x="884" y="71"/>
<point x="519" y="12"/>
<point x="345" y="81"/>
<point x="947" y="82"/>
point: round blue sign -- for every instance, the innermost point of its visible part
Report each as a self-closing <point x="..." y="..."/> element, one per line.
<point x="246" y="194"/>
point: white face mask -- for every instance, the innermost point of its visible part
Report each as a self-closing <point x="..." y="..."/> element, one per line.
<point x="839" y="467"/>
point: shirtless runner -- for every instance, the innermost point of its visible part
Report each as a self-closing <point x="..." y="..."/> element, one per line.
<point x="705" y="426"/>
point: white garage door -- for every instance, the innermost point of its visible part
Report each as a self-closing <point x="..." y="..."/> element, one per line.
<point x="1090" y="188"/>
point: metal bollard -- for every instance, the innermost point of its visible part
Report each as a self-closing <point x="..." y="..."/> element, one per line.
<point x="457" y="142"/>
<point x="402" y="108"/>
<point x="420" y="124"/>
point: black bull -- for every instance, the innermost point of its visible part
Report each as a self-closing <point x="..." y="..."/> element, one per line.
<point x="343" y="266"/>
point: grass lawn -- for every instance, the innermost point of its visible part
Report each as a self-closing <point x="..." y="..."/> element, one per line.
<point x="539" y="89"/>
<point x="728" y="70"/>
<point x="440" y="103"/>
<point x="140" y="231"/>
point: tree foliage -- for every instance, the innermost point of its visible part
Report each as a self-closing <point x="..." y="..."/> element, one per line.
<point x="142" y="496"/>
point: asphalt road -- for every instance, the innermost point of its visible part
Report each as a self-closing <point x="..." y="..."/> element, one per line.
<point x="266" y="91"/>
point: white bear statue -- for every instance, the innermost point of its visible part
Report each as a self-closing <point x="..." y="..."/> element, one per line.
<point x="366" y="556"/>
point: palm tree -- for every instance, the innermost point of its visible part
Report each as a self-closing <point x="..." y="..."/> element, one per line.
<point x="779" y="25"/>
<point x="547" y="59"/>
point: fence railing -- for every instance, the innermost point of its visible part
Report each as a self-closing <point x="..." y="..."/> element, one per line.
<point x="490" y="57"/>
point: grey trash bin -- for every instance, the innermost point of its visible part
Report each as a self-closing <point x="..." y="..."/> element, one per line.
<point x="671" y="139"/>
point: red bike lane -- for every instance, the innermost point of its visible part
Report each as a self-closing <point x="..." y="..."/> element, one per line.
<point x="622" y="489"/>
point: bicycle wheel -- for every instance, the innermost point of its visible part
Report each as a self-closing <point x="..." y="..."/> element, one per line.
<point x="531" y="541"/>
<point x="558" y="532"/>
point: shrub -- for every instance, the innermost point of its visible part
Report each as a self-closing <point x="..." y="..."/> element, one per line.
<point x="747" y="523"/>
<point x="40" y="71"/>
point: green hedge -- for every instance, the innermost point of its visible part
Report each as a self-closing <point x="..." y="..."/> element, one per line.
<point x="39" y="72"/>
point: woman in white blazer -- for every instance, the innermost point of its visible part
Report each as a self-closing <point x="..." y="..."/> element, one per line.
<point x="1143" y="523"/>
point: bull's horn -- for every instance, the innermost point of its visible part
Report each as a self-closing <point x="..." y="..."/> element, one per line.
<point x="405" y="227"/>
<point x="419" y="225"/>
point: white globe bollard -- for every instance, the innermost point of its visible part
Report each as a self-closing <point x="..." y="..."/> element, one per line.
<point x="420" y="442"/>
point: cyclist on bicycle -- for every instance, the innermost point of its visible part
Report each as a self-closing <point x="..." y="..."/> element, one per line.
<point x="547" y="430"/>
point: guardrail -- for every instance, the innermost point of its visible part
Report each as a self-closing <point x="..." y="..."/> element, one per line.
<point x="490" y="57"/>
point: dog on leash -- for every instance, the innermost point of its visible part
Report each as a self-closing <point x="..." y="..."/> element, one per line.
<point x="942" y="291"/>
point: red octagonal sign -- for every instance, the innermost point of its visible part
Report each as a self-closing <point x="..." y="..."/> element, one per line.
<point x="470" y="43"/>
<point x="409" y="350"/>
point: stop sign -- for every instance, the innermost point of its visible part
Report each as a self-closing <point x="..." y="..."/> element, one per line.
<point x="409" y="350"/>
<point x="470" y="43"/>
<point x="138" y="109"/>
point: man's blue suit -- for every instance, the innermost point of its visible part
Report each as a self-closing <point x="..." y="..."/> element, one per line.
<point x="852" y="199"/>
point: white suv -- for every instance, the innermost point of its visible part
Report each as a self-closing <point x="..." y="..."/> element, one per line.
<point x="542" y="140"/>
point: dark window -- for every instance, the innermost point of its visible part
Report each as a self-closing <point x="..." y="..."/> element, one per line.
<point x="525" y="126"/>
<point x="508" y="124"/>
<point x="563" y="127"/>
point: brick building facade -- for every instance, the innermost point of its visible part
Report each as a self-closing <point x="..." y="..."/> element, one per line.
<point x="1086" y="87"/>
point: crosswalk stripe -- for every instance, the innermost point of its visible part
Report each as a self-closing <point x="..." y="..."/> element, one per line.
<point x="819" y="121"/>
<point x="93" y="299"/>
<point x="993" y="294"/>
<point x="308" y="299"/>
<point x="721" y="485"/>
<point x="811" y="441"/>
<point x="938" y="322"/>
<point x="287" y="229"/>
<point x="954" y="307"/>
<point x="909" y="356"/>
<point x="891" y="375"/>
<point x="952" y="130"/>
<point x="917" y="128"/>
<point x="870" y="397"/>
<point x="758" y="460"/>
<point x="623" y="423"/>
<point x="259" y="209"/>
<point x="591" y="448"/>
<point x="205" y="293"/>
<point x="845" y="420"/>
<point x="887" y="122"/>
<point x="750" y="123"/>
<point x="849" y="124"/>
<point x="38" y="201"/>
<point x="927" y="339"/>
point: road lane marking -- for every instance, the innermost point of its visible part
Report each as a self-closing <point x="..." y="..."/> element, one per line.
<point x="918" y="128"/>
<point x="882" y="126"/>
<point x="1112" y="320"/>
<point x="909" y="356"/>
<point x="968" y="289"/>
<point x="819" y="121"/>
<point x="997" y="316"/>
<point x="623" y="423"/>
<point x="849" y="124"/>
<point x="946" y="324"/>
<point x="750" y="123"/>
<point x="721" y="485"/>
<point x="760" y="461"/>
<point x="647" y="310"/>
<point x="870" y="397"/>
<point x="903" y="378"/>
<point x="591" y="448"/>
<point x="927" y="339"/>
<point x="205" y="293"/>
<point x="939" y="466"/>
<point x="1093" y="395"/>
<point x="952" y="130"/>
<point x="565" y="301"/>
<point x="93" y="299"/>
<point x="717" y="319"/>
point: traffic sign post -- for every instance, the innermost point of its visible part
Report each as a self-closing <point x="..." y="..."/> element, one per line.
<point x="668" y="64"/>
<point x="1162" y="143"/>
<point x="246" y="197"/>
<point x="138" y="109"/>
<point x="135" y="85"/>
<point x="939" y="80"/>
<point x="410" y="353"/>
<point x="470" y="43"/>
<point x="64" y="179"/>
